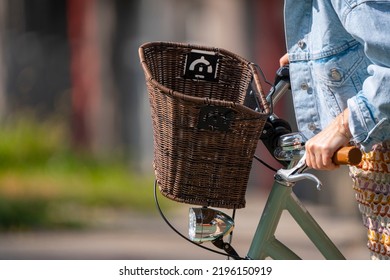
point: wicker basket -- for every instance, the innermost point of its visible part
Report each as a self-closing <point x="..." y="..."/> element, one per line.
<point x="204" y="135"/>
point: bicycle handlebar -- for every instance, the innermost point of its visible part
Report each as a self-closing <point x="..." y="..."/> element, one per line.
<point x="277" y="127"/>
<point x="344" y="156"/>
<point x="347" y="155"/>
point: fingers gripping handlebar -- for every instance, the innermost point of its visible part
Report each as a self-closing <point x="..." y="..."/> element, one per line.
<point x="345" y="156"/>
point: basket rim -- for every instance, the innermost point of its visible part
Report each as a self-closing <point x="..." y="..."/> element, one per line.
<point x="200" y="100"/>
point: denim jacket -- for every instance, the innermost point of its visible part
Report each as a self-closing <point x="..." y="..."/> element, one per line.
<point x="339" y="52"/>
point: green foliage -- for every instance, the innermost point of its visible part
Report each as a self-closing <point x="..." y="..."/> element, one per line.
<point x="26" y="143"/>
<point x="43" y="183"/>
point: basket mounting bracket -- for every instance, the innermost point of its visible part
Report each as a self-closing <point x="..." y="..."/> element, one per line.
<point x="215" y="118"/>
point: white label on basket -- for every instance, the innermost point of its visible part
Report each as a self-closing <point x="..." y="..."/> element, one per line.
<point x="201" y="65"/>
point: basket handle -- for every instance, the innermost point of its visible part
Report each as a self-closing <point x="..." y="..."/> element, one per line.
<point x="259" y="90"/>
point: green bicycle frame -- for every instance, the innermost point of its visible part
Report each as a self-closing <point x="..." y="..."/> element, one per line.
<point x="266" y="245"/>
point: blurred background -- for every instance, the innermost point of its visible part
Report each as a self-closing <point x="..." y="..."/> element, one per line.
<point x="76" y="146"/>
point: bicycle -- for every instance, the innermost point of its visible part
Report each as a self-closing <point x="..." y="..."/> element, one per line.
<point x="210" y="225"/>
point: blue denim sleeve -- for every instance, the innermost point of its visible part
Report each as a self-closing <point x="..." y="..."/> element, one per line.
<point x="369" y="23"/>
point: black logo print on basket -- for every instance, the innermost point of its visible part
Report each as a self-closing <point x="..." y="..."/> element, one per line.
<point x="201" y="65"/>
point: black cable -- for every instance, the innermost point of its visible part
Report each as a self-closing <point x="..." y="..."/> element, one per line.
<point x="263" y="75"/>
<point x="265" y="164"/>
<point x="272" y="90"/>
<point x="179" y="233"/>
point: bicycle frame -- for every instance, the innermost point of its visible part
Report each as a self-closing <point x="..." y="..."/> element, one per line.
<point x="265" y="244"/>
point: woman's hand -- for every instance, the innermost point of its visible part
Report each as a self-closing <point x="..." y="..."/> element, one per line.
<point x="284" y="60"/>
<point x="320" y="148"/>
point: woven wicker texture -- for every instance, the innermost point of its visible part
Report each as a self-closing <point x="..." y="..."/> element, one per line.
<point x="371" y="182"/>
<point x="204" y="136"/>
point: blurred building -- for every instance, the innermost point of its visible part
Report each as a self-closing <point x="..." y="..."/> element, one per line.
<point x="79" y="58"/>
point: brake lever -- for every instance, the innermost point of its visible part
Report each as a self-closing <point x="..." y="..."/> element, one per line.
<point x="290" y="176"/>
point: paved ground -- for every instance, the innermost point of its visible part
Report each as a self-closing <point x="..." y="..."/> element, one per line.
<point x="136" y="236"/>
